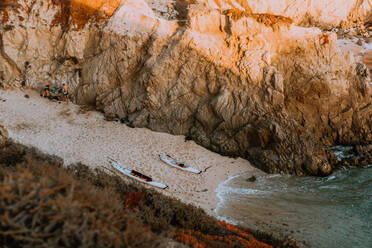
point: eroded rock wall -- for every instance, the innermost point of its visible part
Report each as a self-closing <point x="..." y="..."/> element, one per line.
<point x="47" y="40"/>
<point x="240" y="83"/>
<point x="327" y="13"/>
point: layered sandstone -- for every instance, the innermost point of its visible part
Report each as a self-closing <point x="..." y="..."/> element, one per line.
<point x="240" y="79"/>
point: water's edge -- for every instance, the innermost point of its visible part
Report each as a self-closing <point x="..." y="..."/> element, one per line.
<point x="334" y="211"/>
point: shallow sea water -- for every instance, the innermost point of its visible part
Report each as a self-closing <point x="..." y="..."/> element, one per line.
<point x="333" y="211"/>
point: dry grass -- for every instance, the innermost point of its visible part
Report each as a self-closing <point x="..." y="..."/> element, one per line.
<point x="44" y="204"/>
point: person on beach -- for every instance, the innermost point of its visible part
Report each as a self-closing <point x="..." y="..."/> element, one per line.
<point x="65" y="92"/>
<point x="46" y="90"/>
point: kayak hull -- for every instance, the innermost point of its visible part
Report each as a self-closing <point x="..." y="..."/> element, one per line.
<point x="174" y="163"/>
<point x="128" y="172"/>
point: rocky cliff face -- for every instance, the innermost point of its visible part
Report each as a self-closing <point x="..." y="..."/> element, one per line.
<point x="326" y="13"/>
<point x="237" y="81"/>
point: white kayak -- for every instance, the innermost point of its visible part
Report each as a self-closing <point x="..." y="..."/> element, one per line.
<point x="135" y="174"/>
<point x="170" y="161"/>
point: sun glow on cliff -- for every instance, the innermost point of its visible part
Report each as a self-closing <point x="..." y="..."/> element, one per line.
<point x="105" y="6"/>
<point x="82" y="11"/>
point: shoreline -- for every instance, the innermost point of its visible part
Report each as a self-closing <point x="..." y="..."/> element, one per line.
<point x="76" y="135"/>
<point x="311" y="210"/>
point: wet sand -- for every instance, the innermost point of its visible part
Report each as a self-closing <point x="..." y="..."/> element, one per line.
<point x="76" y="135"/>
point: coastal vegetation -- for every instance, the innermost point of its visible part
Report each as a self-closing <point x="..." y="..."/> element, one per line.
<point x="43" y="203"/>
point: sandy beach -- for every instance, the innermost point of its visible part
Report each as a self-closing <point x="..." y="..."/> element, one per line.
<point x="77" y="135"/>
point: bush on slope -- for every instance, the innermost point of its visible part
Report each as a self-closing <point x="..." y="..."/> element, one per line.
<point x="45" y="204"/>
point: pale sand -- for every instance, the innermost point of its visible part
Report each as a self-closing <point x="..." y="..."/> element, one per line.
<point x="66" y="131"/>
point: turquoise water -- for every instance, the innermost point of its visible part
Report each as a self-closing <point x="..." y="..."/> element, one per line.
<point x="334" y="211"/>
